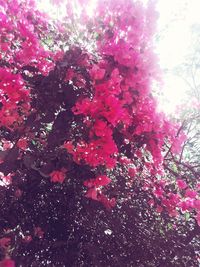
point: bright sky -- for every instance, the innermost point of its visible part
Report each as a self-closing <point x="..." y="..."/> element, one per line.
<point x="174" y="25"/>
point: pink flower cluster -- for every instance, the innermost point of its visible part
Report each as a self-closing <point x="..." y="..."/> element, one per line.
<point x="14" y="98"/>
<point x="94" y="191"/>
<point x="58" y="176"/>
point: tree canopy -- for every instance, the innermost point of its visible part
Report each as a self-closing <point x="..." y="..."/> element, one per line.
<point x="91" y="173"/>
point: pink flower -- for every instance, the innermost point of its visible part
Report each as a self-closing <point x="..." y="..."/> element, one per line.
<point x="108" y="203"/>
<point x="158" y="192"/>
<point x="97" y="73"/>
<point x="151" y="202"/>
<point x="190" y="193"/>
<point x="69" y="146"/>
<point x="57" y="176"/>
<point x="159" y="209"/>
<point x="7" y="144"/>
<point x="39" y="232"/>
<point x="101" y="128"/>
<point x="173" y="213"/>
<point x="198" y="186"/>
<point x="174" y="199"/>
<point x="7" y="179"/>
<point x="197" y="204"/>
<point x="22" y="143"/>
<point x="7" y="263"/>
<point x="198" y="218"/>
<point x="181" y="184"/>
<point x="186" y="205"/>
<point x="132" y="172"/>
<point x="92" y="193"/>
<point x="124" y="160"/>
<point x="101" y="180"/>
<point x="27" y="238"/>
<point x="4" y="242"/>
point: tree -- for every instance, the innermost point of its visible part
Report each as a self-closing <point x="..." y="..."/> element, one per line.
<point x="84" y="161"/>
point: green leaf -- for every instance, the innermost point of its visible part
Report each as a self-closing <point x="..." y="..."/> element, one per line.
<point x="187" y="216"/>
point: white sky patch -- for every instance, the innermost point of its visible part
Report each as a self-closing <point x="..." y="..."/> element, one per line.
<point x="174" y="93"/>
<point x="174" y="26"/>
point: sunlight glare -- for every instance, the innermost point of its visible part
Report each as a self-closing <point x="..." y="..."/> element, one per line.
<point x="174" y="37"/>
